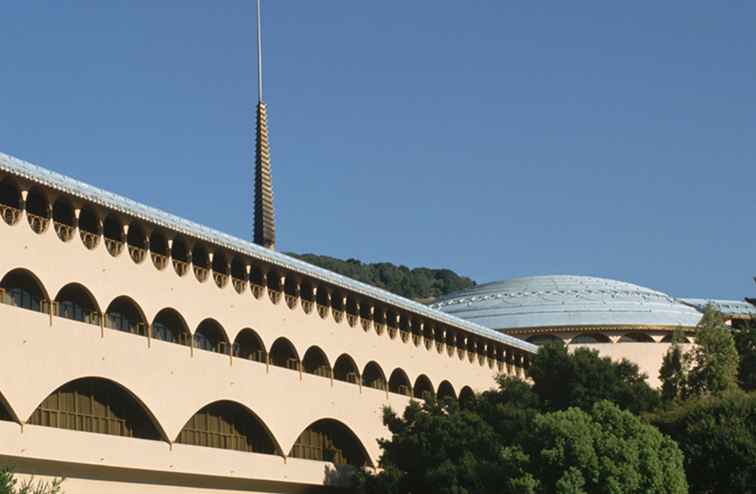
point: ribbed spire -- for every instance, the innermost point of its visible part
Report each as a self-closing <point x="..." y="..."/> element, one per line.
<point x="265" y="225"/>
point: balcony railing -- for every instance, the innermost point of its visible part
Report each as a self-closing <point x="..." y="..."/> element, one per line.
<point x="89" y="239"/>
<point x="65" y="232"/>
<point x="338" y="315"/>
<point x="307" y="306"/>
<point x="181" y="267"/>
<point x="37" y="223"/>
<point x="10" y="214"/>
<point x="200" y="273"/>
<point x="291" y="300"/>
<point x="137" y="253"/>
<point x="351" y="320"/>
<point x="113" y="246"/>
<point x="405" y="335"/>
<point x="220" y="279"/>
<point x="257" y="290"/>
<point x="323" y="311"/>
<point x="160" y="261"/>
<point x="239" y="284"/>
<point x="275" y="296"/>
<point x="365" y="323"/>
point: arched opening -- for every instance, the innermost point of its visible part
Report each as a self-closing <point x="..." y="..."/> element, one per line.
<point x="636" y="338"/>
<point x="542" y="339"/>
<point x="399" y="383"/>
<point x="346" y="370"/>
<point x="423" y="387"/>
<point x="451" y="342"/>
<point x="5" y="410"/>
<point x="275" y="286"/>
<point x="590" y="338"/>
<point x="180" y="256"/>
<point x="99" y="406"/>
<point x="37" y="210"/>
<point x="89" y="227"/>
<point x="249" y="345"/>
<point x="200" y="263"/>
<point x="307" y="296"/>
<point x="283" y="354"/>
<point x="330" y="440"/>
<point x="112" y="230"/>
<point x="446" y="390"/>
<point x="315" y="362"/>
<point x="466" y="396"/>
<point x="228" y="425"/>
<point x="239" y="275"/>
<point x="323" y="303"/>
<point x="417" y="334"/>
<point x="124" y="314"/>
<point x="10" y="202"/>
<point x="670" y="338"/>
<point x="137" y="242"/>
<point x="373" y="376"/>
<point x="64" y="219"/>
<point x="210" y="336"/>
<point x="159" y="250"/>
<point x="404" y="327"/>
<point x="379" y="320"/>
<point x="77" y="303"/>
<point x="169" y="326"/>
<point x="392" y="324"/>
<point x="291" y="291"/>
<point x="21" y="288"/>
<point x="220" y="268"/>
<point x="352" y="311"/>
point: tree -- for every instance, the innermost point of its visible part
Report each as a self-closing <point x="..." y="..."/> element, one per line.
<point x="745" y="342"/>
<point x="10" y="485"/>
<point x="717" y="435"/>
<point x="714" y="357"/>
<point x="674" y="370"/>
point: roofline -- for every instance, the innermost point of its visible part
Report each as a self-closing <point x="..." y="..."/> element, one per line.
<point x="68" y="185"/>
<point x="600" y="327"/>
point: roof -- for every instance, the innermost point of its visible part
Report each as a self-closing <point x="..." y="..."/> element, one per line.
<point x="729" y="308"/>
<point x="567" y="301"/>
<point x="57" y="181"/>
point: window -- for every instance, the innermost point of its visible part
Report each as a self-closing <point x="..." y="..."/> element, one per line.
<point x="210" y="336"/>
<point x="399" y="383"/>
<point x="329" y="440"/>
<point x="373" y="376"/>
<point x="169" y="326"/>
<point x="21" y="289"/>
<point x="283" y="354"/>
<point x="446" y="390"/>
<point x="76" y="303"/>
<point x="249" y="345"/>
<point x="636" y="338"/>
<point x="346" y="370"/>
<point x="590" y="338"/>
<point x="423" y="388"/>
<point x="123" y="314"/>
<point x="315" y="362"/>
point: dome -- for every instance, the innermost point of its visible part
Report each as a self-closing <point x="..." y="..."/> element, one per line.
<point x="567" y="301"/>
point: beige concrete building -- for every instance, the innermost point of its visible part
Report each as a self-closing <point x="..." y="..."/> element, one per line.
<point x="144" y="353"/>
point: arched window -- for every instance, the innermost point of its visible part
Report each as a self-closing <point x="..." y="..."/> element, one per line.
<point x="330" y="440"/>
<point x="21" y="289"/>
<point x="180" y="256"/>
<point x="588" y="338"/>
<point x="466" y="396"/>
<point x="315" y="362"/>
<point x="137" y="242"/>
<point x="423" y="387"/>
<point x="169" y="326"/>
<point x="446" y="390"/>
<point x="283" y="354"/>
<point x="210" y="336"/>
<point x="291" y="291"/>
<point x="159" y="250"/>
<point x="64" y="219"/>
<point x="636" y="338"/>
<point x="112" y="230"/>
<point x="323" y="304"/>
<point x="249" y="345"/>
<point x="89" y="227"/>
<point x="220" y="268"/>
<point x="77" y="303"/>
<point x="239" y="275"/>
<point x="200" y="262"/>
<point x="10" y="201"/>
<point x="670" y="338"/>
<point x="228" y="425"/>
<point x="125" y="315"/>
<point x="37" y="210"/>
<point x="96" y="405"/>
<point x="400" y="383"/>
<point x="346" y="370"/>
<point x="273" y="280"/>
<point x="373" y="376"/>
<point x="542" y="339"/>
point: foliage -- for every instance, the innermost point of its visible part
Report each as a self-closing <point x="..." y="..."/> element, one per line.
<point x="745" y="342"/>
<point x="674" y="370"/>
<point x="417" y="284"/>
<point x="10" y="485"/>
<point x="581" y="379"/>
<point x="717" y="435"/>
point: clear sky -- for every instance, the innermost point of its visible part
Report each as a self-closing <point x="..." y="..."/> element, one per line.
<point x="495" y="138"/>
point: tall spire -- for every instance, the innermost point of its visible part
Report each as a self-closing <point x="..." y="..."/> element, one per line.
<point x="265" y="224"/>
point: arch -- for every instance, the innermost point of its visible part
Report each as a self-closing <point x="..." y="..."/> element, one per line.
<point x="670" y="338"/>
<point x="6" y="412"/>
<point x="200" y="262"/>
<point x="239" y="275"/>
<point x="466" y="395"/>
<point x="346" y="369"/>
<point x="21" y="288"/>
<point x="211" y="336"/>
<point x="98" y="405"/>
<point x="89" y="227"/>
<point x="399" y="383"/>
<point x="446" y="390"/>
<point x="284" y="354"/>
<point x="248" y="345"/>
<point x="180" y="256"/>
<point x="136" y="239"/>
<point x="64" y="219"/>
<point x="159" y="250"/>
<point x="74" y="301"/>
<point x="588" y="338"/>
<point x="330" y="440"/>
<point x="636" y="338"/>
<point x="10" y="201"/>
<point x="220" y="268"/>
<point x="228" y="425"/>
<point x="423" y="387"/>
<point x="123" y="314"/>
<point x="542" y="339"/>
<point x="373" y="376"/>
<point x="170" y="326"/>
<point x="316" y="362"/>
<point x="112" y="230"/>
<point x="37" y="210"/>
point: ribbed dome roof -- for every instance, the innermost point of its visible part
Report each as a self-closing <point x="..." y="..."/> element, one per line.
<point x="572" y="301"/>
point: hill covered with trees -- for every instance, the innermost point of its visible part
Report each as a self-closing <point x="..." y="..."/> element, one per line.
<point x="421" y="284"/>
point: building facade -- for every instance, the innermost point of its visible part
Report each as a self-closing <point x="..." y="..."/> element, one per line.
<point x="145" y="353"/>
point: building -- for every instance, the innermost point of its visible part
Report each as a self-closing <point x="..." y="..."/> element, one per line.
<point x="145" y="353"/>
<point x="618" y="319"/>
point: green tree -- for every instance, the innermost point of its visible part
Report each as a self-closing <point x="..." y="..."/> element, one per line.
<point x="674" y="370"/>
<point x="717" y="435"/>
<point x="714" y="357"/>
<point x="745" y="342"/>
<point x="10" y="485"/>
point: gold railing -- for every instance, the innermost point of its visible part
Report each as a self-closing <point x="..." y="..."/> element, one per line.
<point x="257" y="290"/>
<point x="239" y="284"/>
<point x="220" y="279"/>
<point x="291" y="300"/>
<point x="137" y="253"/>
<point x="114" y="246"/>
<point x="159" y="260"/>
<point x="200" y="273"/>
<point x="64" y="232"/>
<point x="181" y="267"/>
<point x="307" y="306"/>
<point x="89" y="239"/>
<point x="322" y="311"/>
<point x="337" y="315"/>
<point x="10" y="214"/>
<point x="37" y="223"/>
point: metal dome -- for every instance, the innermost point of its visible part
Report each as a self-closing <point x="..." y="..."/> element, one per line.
<point x="569" y="302"/>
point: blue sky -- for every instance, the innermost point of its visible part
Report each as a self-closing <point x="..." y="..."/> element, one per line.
<point x="496" y="138"/>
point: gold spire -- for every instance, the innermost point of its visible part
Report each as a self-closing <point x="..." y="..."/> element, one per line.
<point x="265" y="226"/>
